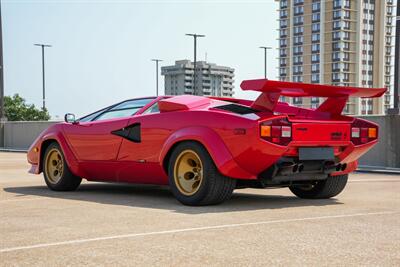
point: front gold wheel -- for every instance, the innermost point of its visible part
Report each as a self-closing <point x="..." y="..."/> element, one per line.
<point x="54" y="166"/>
<point x="188" y="172"/>
<point x="57" y="174"/>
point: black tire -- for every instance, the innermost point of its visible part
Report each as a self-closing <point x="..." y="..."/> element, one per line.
<point x="67" y="181"/>
<point x="328" y="188"/>
<point x="214" y="188"/>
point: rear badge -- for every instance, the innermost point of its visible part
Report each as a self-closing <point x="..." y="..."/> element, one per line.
<point x="336" y="136"/>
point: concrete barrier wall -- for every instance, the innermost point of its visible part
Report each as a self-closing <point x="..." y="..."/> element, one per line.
<point x="387" y="152"/>
<point x="20" y="135"/>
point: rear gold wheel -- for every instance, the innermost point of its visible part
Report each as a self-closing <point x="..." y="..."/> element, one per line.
<point x="193" y="177"/>
<point x="188" y="172"/>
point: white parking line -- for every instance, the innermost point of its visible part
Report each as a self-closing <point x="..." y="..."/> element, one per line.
<point x="21" y="199"/>
<point x="375" y="180"/>
<point x="174" y="231"/>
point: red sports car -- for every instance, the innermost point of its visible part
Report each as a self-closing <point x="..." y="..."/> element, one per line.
<point x="205" y="147"/>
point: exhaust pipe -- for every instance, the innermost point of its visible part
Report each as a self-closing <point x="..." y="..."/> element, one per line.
<point x="287" y="168"/>
<point x="300" y="167"/>
<point x="338" y="167"/>
<point x="344" y="166"/>
<point x="330" y="167"/>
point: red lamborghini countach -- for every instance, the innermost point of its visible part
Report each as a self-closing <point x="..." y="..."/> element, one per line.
<point x="205" y="147"/>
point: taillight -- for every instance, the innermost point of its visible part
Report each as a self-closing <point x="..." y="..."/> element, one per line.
<point x="278" y="131"/>
<point x="363" y="132"/>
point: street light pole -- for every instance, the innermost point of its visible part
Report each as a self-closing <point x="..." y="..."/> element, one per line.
<point x="195" y="36"/>
<point x="43" y="74"/>
<point x="2" y="112"/>
<point x="265" y="59"/>
<point x="156" y="60"/>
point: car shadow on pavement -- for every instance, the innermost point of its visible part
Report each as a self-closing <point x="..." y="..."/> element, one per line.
<point x="159" y="197"/>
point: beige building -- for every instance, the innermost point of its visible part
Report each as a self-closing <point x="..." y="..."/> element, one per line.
<point x="339" y="42"/>
<point x="211" y="79"/>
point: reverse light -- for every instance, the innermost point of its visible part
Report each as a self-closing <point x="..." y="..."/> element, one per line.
<point x="355" y="132"/>
<point x="278" y="131"/>
<point x="363" y="132"/>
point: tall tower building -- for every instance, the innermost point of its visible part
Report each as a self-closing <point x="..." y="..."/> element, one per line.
<point x="211" y="79"/>
<point x="339" y="42"/>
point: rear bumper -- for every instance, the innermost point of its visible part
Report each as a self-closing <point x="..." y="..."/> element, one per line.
<point x="267" y="155"/>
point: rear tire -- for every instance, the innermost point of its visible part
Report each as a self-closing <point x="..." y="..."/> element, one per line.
<point x="328" y="188"/>
<point x="194" y="179"/>
<point x="57" y="174"/>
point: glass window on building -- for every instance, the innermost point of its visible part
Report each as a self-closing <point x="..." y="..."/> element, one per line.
<point x="314" y="67"/>
<point x="315" y="47"/>
<point x="337" y="14"/>
<point x="316" y="6"/>
<point x="315" y="37"/>
<point x="316" y="17"/>
<point x="315" y="78"/>
<point x="337" y="3"/>
<point x="315" y="27"/>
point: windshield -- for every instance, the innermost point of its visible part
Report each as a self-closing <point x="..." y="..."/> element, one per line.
<point x="123" y="109"/>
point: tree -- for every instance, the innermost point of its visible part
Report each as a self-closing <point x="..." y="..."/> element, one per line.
<point x="16" y="109"/>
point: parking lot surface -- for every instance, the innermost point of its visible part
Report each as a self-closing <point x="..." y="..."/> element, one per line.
<point x="112" y="224"/>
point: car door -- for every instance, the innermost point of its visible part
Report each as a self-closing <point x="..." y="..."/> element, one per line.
<point x="96" y="142"/>
<point x="139" y="155"/>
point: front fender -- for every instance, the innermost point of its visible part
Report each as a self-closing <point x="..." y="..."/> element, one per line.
<point x="215" y="146"/>
<point x="37" y="149"/>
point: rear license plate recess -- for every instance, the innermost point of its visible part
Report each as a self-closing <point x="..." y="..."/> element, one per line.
<point x="316" y="153"/>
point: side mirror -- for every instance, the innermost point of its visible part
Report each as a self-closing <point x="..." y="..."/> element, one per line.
<point x="70" y="118"/>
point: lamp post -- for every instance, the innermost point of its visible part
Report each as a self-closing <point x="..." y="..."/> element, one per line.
<point x="265" y="59"/>
<point x="195" y="36"/>
<point x="43" y="74"/>
<point x="156" y="60"/>
<point x="2" y="112"/>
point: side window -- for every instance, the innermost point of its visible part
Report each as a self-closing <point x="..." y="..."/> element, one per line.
<point x="92" y="116"/>
<point x="125" y="109"/>
<point x="152" y="109"/>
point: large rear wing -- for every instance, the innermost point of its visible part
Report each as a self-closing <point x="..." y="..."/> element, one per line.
<point x="337" y="95"/>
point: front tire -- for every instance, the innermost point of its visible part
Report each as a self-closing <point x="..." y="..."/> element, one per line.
<point x="57" y="175"/>
<point x="328" y="188"/>
<point x="194" y="179"/>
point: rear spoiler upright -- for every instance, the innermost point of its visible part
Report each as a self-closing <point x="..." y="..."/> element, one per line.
<point x="337" y="96"/>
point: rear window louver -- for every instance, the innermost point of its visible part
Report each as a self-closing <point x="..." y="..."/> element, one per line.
<point x="238" y="109"/>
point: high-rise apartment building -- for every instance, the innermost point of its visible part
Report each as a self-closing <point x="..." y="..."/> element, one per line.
<point x="211" y="79"/>
<point x="339" y="42"/>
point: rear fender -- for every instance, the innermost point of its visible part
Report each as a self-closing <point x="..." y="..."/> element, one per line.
<point x="213" y="143"/>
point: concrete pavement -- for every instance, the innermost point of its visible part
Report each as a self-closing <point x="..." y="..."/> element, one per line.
<point x="110" y="224"/>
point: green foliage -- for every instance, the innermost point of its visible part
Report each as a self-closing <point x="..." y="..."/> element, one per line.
<point x="16" y="109"/>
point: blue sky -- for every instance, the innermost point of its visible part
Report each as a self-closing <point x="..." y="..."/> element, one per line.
<point x="102" y="49"/>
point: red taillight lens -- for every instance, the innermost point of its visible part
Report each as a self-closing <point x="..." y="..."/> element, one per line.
<point x="277" y="131"/>
<point x="363" y="132"/>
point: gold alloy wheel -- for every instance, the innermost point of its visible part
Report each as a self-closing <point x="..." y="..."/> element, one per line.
<point x="54" y="166"/>
<point x="188" y="172"/>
